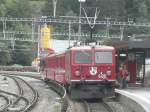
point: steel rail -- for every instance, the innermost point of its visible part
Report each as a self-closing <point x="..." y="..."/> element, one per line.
<point x="20" y="91"/>
<point x="89" y="108"/>
<point x="8" y="102"/>
<point x="34" y="100"/>
<point x="107" y="106"/>
<point x="58" y="88"/>
<point x="14" y="95"/>
<point x="20" y="95"/>
<point x="30" y="103"/>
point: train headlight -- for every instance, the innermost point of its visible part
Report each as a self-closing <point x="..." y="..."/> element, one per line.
<point x="108" y="72"/>
<point x="77" y="73"/>
<point x="93" y="70"/>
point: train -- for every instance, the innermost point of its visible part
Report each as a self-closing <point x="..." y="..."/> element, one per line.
<point x="87" y="72"/>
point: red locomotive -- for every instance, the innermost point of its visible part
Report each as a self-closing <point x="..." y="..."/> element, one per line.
<point x="86" y="71"/>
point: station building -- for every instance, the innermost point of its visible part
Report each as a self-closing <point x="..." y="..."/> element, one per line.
<point x="135" y="53"/>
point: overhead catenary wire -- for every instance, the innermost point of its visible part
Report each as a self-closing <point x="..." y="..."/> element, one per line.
<point x="74" y="20"/>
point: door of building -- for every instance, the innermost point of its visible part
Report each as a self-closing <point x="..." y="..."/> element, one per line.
<point x="140" y="66"/>
<point x="131" y="64"/>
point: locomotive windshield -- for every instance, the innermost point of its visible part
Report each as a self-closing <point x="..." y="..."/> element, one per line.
<point x="82" y="57"/>
<point x="103" y="57"/>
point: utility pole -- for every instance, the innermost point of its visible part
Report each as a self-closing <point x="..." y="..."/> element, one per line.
<point x="107" y="27"/>
<point x="13" y="42"/>
<point x="33" y="29"/>
<point x="121" y="32"/>
<point x="80" y="22"/>
<point x="80" y="9"/>
<point x="38" y="42"/>
<point x="69" y="32"/>
<point x="54" y="7"/>
<point x="4" y="27"/>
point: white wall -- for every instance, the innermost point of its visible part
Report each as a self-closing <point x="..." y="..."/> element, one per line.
<point x="60" y="45"/>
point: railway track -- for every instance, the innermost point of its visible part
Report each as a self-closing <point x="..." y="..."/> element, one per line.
<point x="52" y="85"/>
<point x="6" y="104"/>
<point x="26" y="98"/>
<point x="60" y="89"/>
<point x="11" y="97"/>
<point x="100" y="106"/>
<point x="78" y="106"/>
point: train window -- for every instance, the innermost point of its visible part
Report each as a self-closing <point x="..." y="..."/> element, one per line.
<point x="82" y="57"/>
<point x="103" y="57"/>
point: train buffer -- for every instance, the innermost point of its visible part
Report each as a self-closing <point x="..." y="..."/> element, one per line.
<point x="141" y="95"/>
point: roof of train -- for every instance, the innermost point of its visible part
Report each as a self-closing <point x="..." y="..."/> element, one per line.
<point x="90" y="47"/>
<point x="102" y="47"/>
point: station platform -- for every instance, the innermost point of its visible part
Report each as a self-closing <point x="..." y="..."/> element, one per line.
<point x="140" y="95"/>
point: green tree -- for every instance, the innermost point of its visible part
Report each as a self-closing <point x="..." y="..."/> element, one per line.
<point x="17" y="8"/>
<point x="5" y="55"/>
<point x="48" y="8"/>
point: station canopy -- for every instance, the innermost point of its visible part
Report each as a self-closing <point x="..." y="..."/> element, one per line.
<point x="130" y="44"/>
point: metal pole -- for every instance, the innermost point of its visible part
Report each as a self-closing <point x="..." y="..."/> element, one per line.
<point x="33" y="27"/>
<point x="69" y="32"/>
<point x="91" y="32"/>
<point x="144" y="56"/>
<point x="79" y="30"/>
<point x="13" y="42"/>
<point x="54" y="6"/>
<point x="121" y="31"/>
<point x="38" y="47"/>
<point x="38" y="52"/>
<point x="107" y="27"/>
<point x="4" y="28"/>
